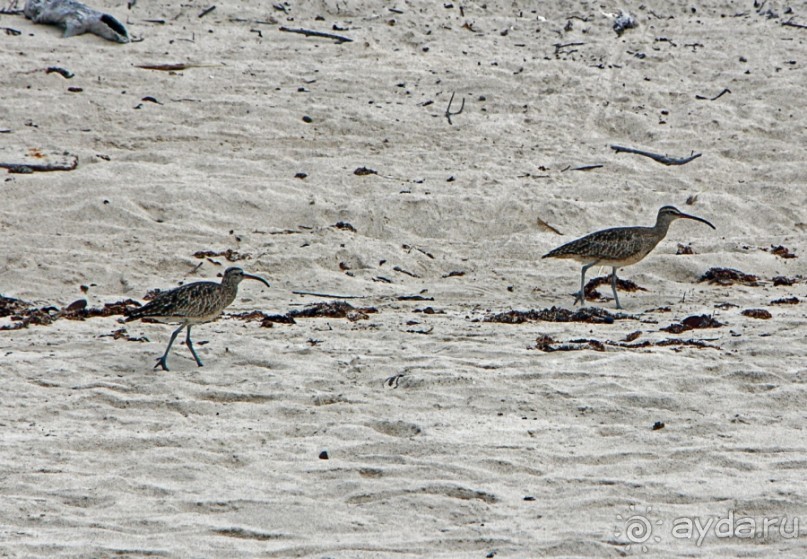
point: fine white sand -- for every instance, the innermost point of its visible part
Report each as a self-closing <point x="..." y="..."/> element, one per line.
<point x="485" y="446"/>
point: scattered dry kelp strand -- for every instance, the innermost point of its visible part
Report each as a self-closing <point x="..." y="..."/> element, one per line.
<point x="230" y="254"/>
<point x="547" y="344"/>
<point x="591" y="315"/>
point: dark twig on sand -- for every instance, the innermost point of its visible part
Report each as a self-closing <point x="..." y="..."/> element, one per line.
<point x="449" y="114"/>
<point x="207" y="11"/>
<point x="328" y="295"/>
<point x="310" y="33"/>
<point x="657" y="157"/>
<point x="791" y="23"/>
<point x="583" y="168"/>
<point x="715" y="98"/>
<point x="559" y="46"/>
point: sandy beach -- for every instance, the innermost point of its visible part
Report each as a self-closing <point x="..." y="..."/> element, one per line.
<point x="438" y="418"/>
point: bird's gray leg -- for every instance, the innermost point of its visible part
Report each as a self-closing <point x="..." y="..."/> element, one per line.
<point x="163" y="361"/>
<point x="189" y="343"/>
<point x="581" y="295"/>
<point x="613" y="287"/>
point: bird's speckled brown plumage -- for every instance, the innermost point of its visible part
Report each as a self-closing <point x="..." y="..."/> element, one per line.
<point x="619" y="246"/>
<point x="192" y="304"/>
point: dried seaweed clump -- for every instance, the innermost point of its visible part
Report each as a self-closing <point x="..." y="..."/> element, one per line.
<point x="684" y="249"/>
<point x="267" y="320"/>
<point x="622" y="285"/>
<point x="782" y="252"/>
<point x="729" y="276"/>
<point x="547" y="344"/>
<point x="23" y="314"/>
<point x="692" y="323"/>
<point x="591" y="315"/>
<point x="230" y="254"/>
<point x="757" y="313"/>
<point x="336" y="309"/>
<point x="10" y="306"/>
<point x="782" y="280"/>
<point x="77" y="310"/>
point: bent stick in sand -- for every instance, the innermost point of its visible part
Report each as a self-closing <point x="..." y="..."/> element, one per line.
<point x="657" y="157"/>
<point x="310" y="33"/>
<point x="448" y="113"/>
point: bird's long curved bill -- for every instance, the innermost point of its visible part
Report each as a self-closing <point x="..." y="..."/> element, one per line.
<point x="257" y="278"/>
<point x="696" y="218"/>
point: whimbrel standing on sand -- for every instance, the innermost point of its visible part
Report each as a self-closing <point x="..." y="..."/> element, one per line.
<point x="618" y="247"/>
<point x="195" y="303"/>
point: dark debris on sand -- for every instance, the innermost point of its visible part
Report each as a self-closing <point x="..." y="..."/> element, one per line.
<point x="230" y="254"/>
<point x="335" y="309"/>
<point x="621" y="285"/>
<point x="757" y="313"/>
<point x="77" y="310"/>
<point x="729" y="276"/>
<point x="692" y="323"/>
<point x="782" y="280"/>
<point x="547" y="344"/>
<point x="781" y="251"/>
<point x="24" y="314"/>
<point x="591" y="315"/>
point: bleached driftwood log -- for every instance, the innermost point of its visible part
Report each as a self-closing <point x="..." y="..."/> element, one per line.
<point x="76" y="18"/>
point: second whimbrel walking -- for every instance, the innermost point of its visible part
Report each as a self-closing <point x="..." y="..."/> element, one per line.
<point x="191" y="304"/>
<point x="618" y="247"/>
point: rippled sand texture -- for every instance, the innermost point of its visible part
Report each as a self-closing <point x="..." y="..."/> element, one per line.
<point x="332" y="168"/>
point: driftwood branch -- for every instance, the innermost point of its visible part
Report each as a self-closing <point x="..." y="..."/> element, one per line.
<point x="657" y="157"/>
<point x="791" y="23"/>
<point x="310" y="33"/>
<point x="25" y="168"/>
<point x="328" y="295"/>
<point x="561" y="46"/>
<point x="449" y="114"/>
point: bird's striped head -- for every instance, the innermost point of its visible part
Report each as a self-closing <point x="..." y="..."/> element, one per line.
<point x="233" y="276"/>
